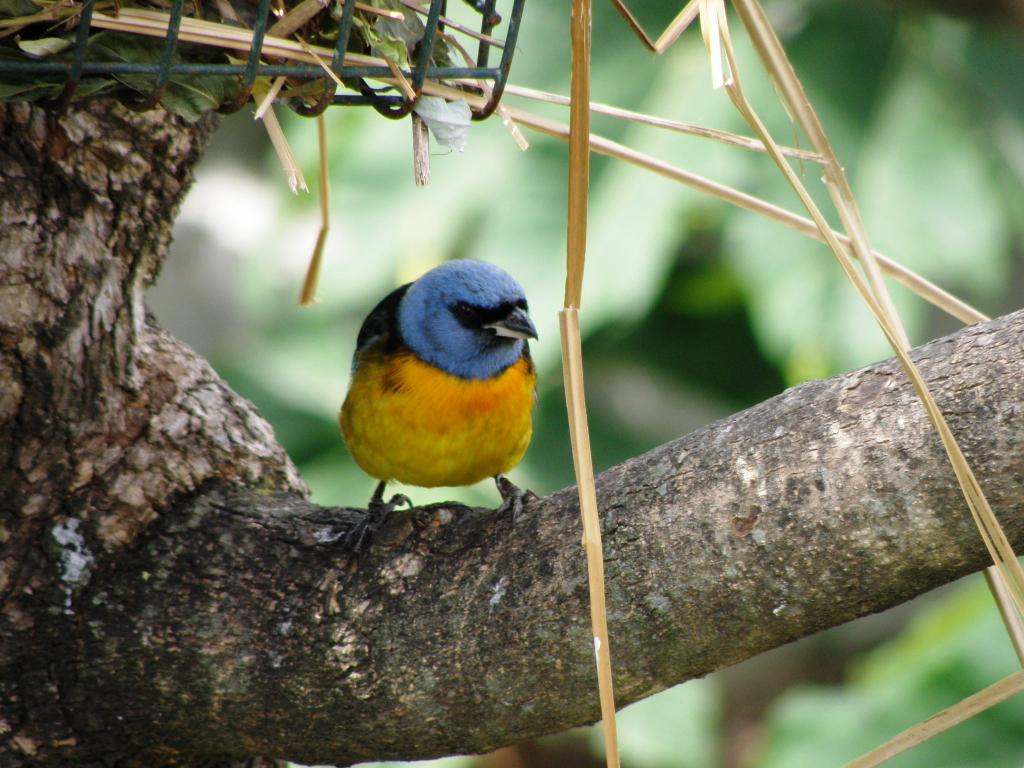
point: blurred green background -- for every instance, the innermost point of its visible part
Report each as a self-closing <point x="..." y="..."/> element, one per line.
<point x="692" y="310"/>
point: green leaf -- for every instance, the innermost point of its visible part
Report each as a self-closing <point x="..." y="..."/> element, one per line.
<point x="13" y="9"/>
<point x="26" y="91"/>
<point x="187" y="96"/>
<point x="381" y="44"/>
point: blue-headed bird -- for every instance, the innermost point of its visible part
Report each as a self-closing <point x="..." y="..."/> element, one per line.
<point x="443" y="388"/>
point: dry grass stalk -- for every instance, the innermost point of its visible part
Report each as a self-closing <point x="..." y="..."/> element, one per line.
<point x="451" y="24"/>
<point x="154" y="24"/>
<point x="579" y="151"/>
<point x="572" y="371"/>
<point x="510" y="125"/>
<point x="268" y="99"/>
<point x="384" y="12"/>
<point x="296" y="17"/>
<point x="403" y="83"/>
<point x="943" y="721"/>
<point x="799" y="107"/>
<point x="307" y="295"/>
<point x="296" y="180"/>
<point x="671" y="33"/>
<point x="572" y="364"/>
<point x="724" y="137"/>
<point x="420" y="151"/>
<point x="323" y="64"/>
<point x="1004" y="601"/>
<point x="51" y="12"/>
<point x="712" y="19"/>
<point x="264" y="98"/>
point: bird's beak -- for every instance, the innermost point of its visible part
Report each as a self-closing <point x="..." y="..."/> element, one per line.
<point x="516" y="325"/>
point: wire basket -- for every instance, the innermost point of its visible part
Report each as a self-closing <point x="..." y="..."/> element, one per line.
<point x="81" y="74"/>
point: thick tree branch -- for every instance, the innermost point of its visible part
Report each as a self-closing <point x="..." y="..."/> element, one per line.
<point x="169" y="597"/>
<point x="459" y="631"/>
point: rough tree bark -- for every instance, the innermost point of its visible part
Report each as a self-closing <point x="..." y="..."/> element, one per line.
<point x="169" y="597"/>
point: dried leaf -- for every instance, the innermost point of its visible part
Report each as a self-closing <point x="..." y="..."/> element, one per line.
<point x="449" y="121"/>
<point x="44" y="46"/>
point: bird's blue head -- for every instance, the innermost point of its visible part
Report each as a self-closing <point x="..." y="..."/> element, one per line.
<point x="467" y="318"/>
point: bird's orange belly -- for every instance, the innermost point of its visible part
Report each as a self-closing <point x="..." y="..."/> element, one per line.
<point x="408" y="421"/>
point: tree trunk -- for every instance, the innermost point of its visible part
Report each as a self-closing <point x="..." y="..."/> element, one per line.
<point x="105" y="420"/>
<point x="169" y="597"/>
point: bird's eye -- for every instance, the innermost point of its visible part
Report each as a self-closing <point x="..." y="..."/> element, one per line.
<point x="465" y="312"/>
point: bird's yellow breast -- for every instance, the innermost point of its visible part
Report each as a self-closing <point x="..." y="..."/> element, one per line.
<point x="406" y="420"/>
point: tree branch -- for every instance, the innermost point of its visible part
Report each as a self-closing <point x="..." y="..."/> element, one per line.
<point x="168" y="597"/>
<point x="460" y="632"/>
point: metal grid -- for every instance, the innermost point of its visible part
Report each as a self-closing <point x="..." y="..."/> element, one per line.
<point x="389" y="104"/>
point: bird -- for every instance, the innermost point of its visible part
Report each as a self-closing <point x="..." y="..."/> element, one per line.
<point x="443" y="387"/>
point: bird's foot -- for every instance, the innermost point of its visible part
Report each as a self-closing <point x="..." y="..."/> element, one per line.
<point x="513" y="498"/>
<point x="380" y="508"/>
<point x="378" y="512"/>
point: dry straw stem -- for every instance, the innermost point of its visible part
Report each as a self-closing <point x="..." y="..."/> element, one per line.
<point x="297" y="17"/>
<point x="452" y="24"/>
<point x="943" y="721"/>
<point x="579" y="151"/>
<point x="1004" y="600"/>
<point x="724" y="137"/>
<point x="403" y="83"/>
<point x="672" y="32"/>
<point x="712" y="19"/>
<point x="572" y="371"/>
<point x="307" y="295"/>
<point x="988" y="526"/>
<point x="154" y="24"/>
<point x="323" y="64"/>
<point x="268" y="99"/>
<point x="264" y="97"/>
<point x="572" y="364"/>
<point x="420" y="151"/>
<point x="293" y="173"/>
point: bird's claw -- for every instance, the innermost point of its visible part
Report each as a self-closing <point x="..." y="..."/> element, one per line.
<point x="513" y="498"/>
<point x="378" y="511"/>
<point x="380" y="508"/>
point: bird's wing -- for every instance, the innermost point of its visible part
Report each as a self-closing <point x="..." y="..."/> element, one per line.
<point x="379" y="330"/>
